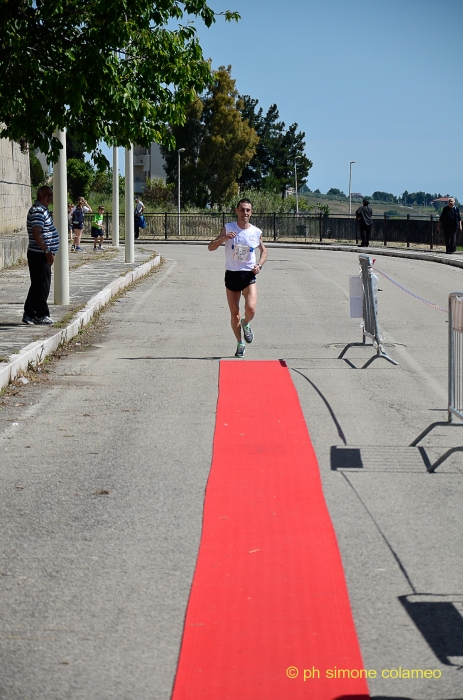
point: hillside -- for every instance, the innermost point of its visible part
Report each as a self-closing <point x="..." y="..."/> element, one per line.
<point x="341" y="206"/>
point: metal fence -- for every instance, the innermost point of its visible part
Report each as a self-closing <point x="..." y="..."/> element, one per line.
<point x="370" y="319"/>
<point x="455" y="381"/>
<point x="455" y="355"/>
<point x="307" y="228"/>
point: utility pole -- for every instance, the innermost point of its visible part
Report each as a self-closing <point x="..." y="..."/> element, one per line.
<point x="350" y="180"/>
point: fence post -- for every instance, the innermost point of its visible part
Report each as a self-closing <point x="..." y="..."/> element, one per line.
<point x="320" y="227"/>
<point x="274" y="226"/>
<point x="432" y="227"/>
<point x="223" y="219"/>
<point x="408" y="230"/>
<point x="165" y="226"/>
<point x="107" y="224"/>
<point x="384" y="234"/>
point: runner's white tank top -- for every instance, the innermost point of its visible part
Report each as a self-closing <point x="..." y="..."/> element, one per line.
<point x="240" y="252"/>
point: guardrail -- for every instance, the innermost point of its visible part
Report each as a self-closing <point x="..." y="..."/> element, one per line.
<point x="370" y="319"/>
<point x="304" y="228"/>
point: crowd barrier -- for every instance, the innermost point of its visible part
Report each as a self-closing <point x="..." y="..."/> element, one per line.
<point x="455" y="377"/>
<point x="370" y="319"/>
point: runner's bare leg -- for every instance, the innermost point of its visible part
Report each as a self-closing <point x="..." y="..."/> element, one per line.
<point x="250" y="302"/>
<point x="233" y="299"/>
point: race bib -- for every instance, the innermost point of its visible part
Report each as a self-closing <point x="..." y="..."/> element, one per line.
<point x="241" y="253"/>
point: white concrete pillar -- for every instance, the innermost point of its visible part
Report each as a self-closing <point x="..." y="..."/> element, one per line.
<point x="60" y="219"/>
<point x="115" y="215"/>
<point x="129" y="209"/>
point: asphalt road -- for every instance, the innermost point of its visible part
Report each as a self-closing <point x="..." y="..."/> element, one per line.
<point x="103" y="470"/>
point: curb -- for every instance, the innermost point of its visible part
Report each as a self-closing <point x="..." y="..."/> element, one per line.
<point x="35" y="352"/>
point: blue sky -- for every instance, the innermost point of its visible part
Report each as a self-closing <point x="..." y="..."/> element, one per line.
<point x="375" y="81"/>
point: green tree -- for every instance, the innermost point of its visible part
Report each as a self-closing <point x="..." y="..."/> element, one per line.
<point x="80" y="176"/>
<point x="102" y="182"/>
<point x="189" y="136"/>
<point x="384" y="197"/>
<point x="218" y="144"/>
<point x="229" y="141"/>
<point x="335" y="192"/>
<point x="272" y="166"/>
<point x="118" y="72"/>
<point x="37" y="174"/>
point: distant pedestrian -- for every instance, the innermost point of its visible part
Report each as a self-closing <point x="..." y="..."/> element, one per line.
<point x="450" y="224"/>
<point x="78" y="222"/>
<point x="364" y="216"/>
<point x="43" y="246"/>
<point x="71" y="208"/>
<point x="97" y="229"/>
<point x="139" y="209"/>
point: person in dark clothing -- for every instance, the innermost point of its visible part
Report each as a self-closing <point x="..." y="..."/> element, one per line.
<point x="43" y="246"/>
<point x="450" y="224"/>
<point x="364" y="216"/>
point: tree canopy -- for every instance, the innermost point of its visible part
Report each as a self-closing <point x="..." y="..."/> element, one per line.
<point x="118" y="72"/>
<point x="218" y="144"/>
<point x="272" y="166"/>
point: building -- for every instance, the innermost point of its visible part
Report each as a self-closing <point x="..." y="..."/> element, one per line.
<point x="148" y="163"/>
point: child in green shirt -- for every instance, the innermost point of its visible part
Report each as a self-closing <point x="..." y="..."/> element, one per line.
<point x="97" y="229"/>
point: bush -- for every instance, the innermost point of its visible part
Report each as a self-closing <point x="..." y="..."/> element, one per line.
<point x="158" y="194"/>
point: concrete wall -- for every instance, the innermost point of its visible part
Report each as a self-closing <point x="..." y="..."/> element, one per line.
<point x="15" y="190"/>
<point x="15" y="200"/>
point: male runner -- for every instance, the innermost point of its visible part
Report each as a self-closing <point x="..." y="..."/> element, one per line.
<point x="241" y="267"/>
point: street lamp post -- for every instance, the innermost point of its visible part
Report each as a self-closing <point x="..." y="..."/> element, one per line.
<point x="180" y="150"/>
<point x="350" y="180"/>
<point x="295" y="178"/>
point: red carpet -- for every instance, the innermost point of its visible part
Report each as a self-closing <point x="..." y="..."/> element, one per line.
<point x="269" y="615"/>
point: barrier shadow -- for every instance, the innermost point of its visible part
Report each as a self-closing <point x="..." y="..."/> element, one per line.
<point x="440" y="624"/>
<point x="431" y="467"/>
<point x="345" y="458"/>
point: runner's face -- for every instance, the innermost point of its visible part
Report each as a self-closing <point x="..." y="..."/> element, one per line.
<point x="244" y="212"/>
<point x="451" y="202"/>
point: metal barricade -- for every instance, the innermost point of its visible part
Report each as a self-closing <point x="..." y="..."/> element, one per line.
<point x="455" y="407"/>
<point x="455" y="374"/>
<point x="370" y="319"/>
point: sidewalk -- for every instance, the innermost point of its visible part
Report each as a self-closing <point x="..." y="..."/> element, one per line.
<point x="89" y="274"/>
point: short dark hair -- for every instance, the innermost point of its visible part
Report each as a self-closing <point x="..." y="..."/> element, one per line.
<point x="245" y="200"/>
<point x="366" y="203"/>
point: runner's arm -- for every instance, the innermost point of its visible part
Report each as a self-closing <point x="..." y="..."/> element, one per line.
<point x="221" y="238"/>
<point x="262" y="259"/>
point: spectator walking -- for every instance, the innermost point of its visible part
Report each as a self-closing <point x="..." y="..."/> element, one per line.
<point x="97" y="229"/>
<point x="364" y="216"/>
<point x="139" y="209"/>
<point x="43" y="246"/>
<point x="78" y="222"/>
<point x="450" y="224"/>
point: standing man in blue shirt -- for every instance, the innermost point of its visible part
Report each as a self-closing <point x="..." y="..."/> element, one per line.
<point x="43" y="246"/>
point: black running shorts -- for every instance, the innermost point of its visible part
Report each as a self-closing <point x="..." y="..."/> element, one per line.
<point x="237" y="281"/>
